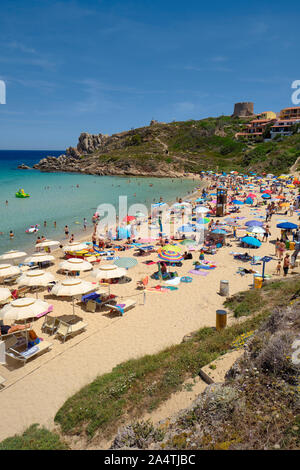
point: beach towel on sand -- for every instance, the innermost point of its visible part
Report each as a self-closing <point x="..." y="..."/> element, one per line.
<point x="198" y="272"/>
<point x="174" y="282"/>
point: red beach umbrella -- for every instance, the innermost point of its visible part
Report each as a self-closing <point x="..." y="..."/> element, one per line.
<point x="129" y="218"/>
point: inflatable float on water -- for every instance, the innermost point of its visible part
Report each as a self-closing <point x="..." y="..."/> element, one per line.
<point x="32" y="229"/>
<point x="22" y="194"/>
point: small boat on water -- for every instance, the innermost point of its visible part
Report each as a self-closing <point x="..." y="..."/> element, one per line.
<point x="22" y="194"/>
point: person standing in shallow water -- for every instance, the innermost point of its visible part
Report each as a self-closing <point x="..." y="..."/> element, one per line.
<point x="66" y="231"/>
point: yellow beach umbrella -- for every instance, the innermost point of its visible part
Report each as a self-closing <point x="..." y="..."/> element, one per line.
<point x="174" y="248"/>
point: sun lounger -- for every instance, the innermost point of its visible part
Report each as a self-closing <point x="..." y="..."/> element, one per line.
<point x="25" y="355"/>
<point x="145" y="250"/>
<point x="64" y="329"/>
<point x="14" y="333"/>
<point x="50" y="324"/>
<point x="143" y="282"/>
<point x="123" y="306"/>
<point x="91" y="306"/>
<point x="50" y="309"/>
<point x="11" y="279"/>
<point x="2" y="381"/>
<point x="22" y="291"/>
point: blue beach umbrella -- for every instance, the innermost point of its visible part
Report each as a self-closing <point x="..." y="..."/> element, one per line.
<point x="287" y="226"/>
<point x="219" y="231"/>
<point x="251" y="241"/>
<point x="237" y="202"/>
<point x="266" y="196"/>
<point x="254" y="223"/>
<point x="249" y="200"/>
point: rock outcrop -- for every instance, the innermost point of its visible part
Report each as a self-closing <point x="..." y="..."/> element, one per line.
<point x="22" y="166"/>
<point x="92" y="156"/>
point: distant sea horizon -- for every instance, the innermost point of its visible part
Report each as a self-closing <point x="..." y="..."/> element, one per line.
<point x="66" y="198"/>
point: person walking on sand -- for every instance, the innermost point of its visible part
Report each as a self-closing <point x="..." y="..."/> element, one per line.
<point x="84" y="224"/>
<point x="267" y="233"/>
<point x="281" y="249"/>
<point x="286" y="265"/>
<point x="278" y="268"/>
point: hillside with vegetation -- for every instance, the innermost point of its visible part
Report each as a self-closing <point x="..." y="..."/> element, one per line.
<point x="257" y="407"/>
<point x="175" y="149"/>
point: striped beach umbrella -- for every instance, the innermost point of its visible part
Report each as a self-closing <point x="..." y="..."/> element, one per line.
<point x="170" y="253"/>
<point x="203" y="221"/>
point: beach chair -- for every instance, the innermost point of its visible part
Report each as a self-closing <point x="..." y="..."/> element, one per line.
<point x="22" y="291"/>
<point x="64" y="329"/>
<point x="2" y="381"/>
<point x="123" y="306"/>
<point x="50" y="324"/>
<point x="23" y="355"/>
<point x="14" y="334"/>
<point x="11" y="279"/>
<point x="91" y="306"/>
<point x="143" y="283"/>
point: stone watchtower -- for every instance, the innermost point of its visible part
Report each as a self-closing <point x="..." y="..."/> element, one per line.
<point x="245" y="109"/>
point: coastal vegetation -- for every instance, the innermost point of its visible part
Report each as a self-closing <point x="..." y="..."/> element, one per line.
<point x="34" y="438"/>
<point x="176" y="148"/>
<point x="262" y="387"/>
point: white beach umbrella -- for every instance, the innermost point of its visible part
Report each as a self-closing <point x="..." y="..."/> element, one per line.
<point x="47" y="243"/>
<point x="12" y="254"/>
<point x="109" y="271"/>
<point x="7" y="270"/>
<point x="202" y="210"/>
<point x="75" y="264"/>
<point x="4" y="294"/>
<point x="259" y="230"/>
<point x="75" y="246"/>
<point x="21" y="309"/>
<point x="72" y="288"/>
<point x="39" y="258"/>
<point x="35" y="278"/>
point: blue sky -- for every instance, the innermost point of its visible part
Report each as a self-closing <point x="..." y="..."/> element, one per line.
<point x="107" y="66"/>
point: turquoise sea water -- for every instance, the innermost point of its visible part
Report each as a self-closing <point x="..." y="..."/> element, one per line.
<point x="55" y="197"/>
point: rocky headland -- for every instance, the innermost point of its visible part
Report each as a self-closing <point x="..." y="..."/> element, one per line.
<point x="174" y="150"/>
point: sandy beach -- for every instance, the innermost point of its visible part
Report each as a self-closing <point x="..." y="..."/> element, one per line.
<point x="33" y="393"/>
